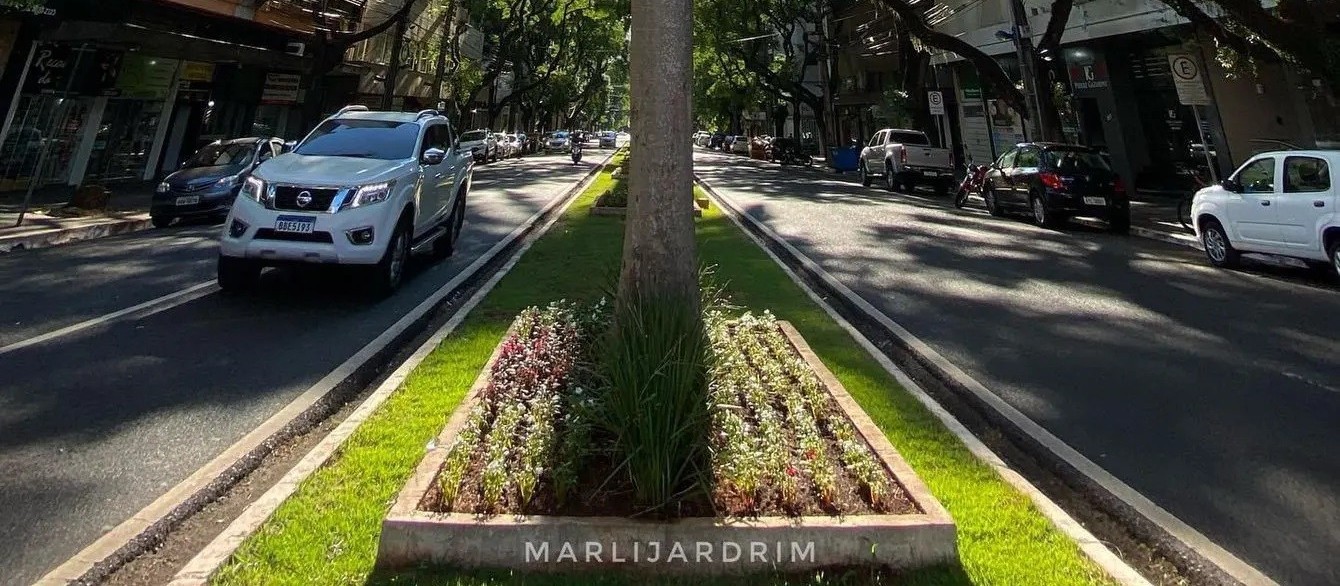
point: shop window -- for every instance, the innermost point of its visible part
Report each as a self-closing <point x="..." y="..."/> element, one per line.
<point x="1306" y="175"/>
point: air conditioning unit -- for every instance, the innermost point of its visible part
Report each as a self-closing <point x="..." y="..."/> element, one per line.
<point x="295" y="48"/>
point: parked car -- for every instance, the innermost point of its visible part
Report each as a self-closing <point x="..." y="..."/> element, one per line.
<point x="557" y="142"/>
<point x="718" y="141"/>
<point x="504" y="143"/>
<point x="1057" y="181"/>
<point x="523" y="144"/>
<point x="702" y="138"/>
<point x="364" y="188"/>
<point x="480" y="144"/>
<point x="740" y="145"/>
<point x="609" y="139"/>
<point x="208" y="182"/>
<point x="905" y="158"/>
<point x="1281" y="203"/>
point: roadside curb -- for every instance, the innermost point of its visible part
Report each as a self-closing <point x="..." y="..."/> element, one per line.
<point x="58" y="236"/>
<point x="146" y="529"/>
<point x="1150" y="519"/>
<point x="205" y="563"/>
<point x="1178" y="239"/>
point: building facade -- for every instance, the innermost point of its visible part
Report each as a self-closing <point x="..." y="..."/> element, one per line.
<point x="1116" y="90"/>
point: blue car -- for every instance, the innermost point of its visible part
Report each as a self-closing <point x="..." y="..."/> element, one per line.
<point x="208" y="182"/>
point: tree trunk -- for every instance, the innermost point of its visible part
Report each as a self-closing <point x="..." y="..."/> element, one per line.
<point x="660" y="254"/>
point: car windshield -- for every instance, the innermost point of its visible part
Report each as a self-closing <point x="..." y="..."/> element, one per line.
<point x="366" y="139"/>
<point x="560" y="135"/>
<point x="473" y="135"/>
<point x="1076" y="160"/>
<point x="909" y="138"/>
<point x="222" y="155"/>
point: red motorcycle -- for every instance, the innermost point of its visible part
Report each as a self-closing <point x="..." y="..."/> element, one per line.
<point x="972" y="183"/>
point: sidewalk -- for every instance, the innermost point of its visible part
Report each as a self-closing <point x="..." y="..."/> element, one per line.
<point x="47" y="224"/>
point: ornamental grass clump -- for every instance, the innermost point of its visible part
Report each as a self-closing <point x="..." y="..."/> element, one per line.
<point x="653" y="406"/>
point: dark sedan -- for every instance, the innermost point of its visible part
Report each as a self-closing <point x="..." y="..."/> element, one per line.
<point x="1054" y="182"/>
<point x="208" y="182"/>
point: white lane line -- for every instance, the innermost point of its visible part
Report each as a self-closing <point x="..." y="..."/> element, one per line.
<point x="123" y="535"/>
<point x="147" y="308"/>
<point x="1190" y="537"/>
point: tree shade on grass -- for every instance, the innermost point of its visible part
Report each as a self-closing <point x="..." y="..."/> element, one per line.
<point x="327" y="532"/>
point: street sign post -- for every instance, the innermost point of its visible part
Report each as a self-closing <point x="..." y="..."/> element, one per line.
<point x="937" y="103"/>
<point x="1187" y="78"/>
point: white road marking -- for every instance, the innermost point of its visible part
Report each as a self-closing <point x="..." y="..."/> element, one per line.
<point x="145" y="309"/>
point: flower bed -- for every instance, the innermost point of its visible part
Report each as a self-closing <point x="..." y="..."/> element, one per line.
<point x="792" y="460"/>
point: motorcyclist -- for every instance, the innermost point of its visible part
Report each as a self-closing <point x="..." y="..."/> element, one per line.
<point x="575" y="148"/>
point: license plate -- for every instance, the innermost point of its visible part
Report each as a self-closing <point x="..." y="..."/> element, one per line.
<point x="297" y="224"/>
<point x="188" y="200"/>
<point x="1095" y="201"/>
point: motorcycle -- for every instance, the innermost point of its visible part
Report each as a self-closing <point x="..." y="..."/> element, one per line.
<point x="972" y="183"/>
<point x="787" y="151"/>
<point x="576" y="153"/>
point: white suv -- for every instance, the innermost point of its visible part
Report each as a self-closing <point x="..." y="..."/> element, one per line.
<point x="1281" y="203"/>
<point x="364" y="188"/>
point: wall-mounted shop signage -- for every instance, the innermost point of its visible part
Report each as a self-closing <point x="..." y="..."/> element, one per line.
<point x="146" y="78"/>
<point x="64" y="69"/>
<point x="1089" y="76"/>
<point x="280" y="88"/>
<point x="195" y="76"/>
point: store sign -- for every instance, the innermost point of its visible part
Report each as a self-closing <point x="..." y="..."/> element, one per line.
<point x="146" y="78"/>
<point x="281" y="88"/>
<point x="1186" y="76"/>
<point x="1089" y="76"/>
<point x="58" y="68"/>
<point x="195" y="76"/>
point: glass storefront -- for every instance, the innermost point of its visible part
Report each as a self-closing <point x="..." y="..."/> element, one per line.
<point x="124" y="140"/>
<point x="42" y="141"/>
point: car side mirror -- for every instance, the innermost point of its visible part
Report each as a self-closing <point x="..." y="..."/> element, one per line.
<point x="290" y="145"/>
<point x="1231" y="185"/>
<point x="433" y="156"/>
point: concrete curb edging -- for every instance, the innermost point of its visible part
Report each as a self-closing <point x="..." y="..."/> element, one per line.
<point x="413" y="537"/>
<point x="57" y="236"/>
<point x="1178" y="239"/>
<point x="1115" y="567"/>
<point x="144" y="530"/>
<point x="200" y="568"/>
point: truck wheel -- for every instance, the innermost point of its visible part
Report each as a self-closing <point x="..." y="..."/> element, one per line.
<point x="390" y="270"/>
<point x="236" y="275"/>
<point x="890" y="182"/>
<point x="445" y="245"/>
<point x="865" y="176"/>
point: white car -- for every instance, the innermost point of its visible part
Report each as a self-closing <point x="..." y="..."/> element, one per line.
<point x="364" y="188"/>
<point x="904" y="158"/>
<point x="1280" y="203"/>
<point x="557" y="142"/>
<point x="740" y="145"/>
<point x="480" y="144"/>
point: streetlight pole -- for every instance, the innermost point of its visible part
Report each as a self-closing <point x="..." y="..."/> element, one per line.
<point x="1023" y="46"/>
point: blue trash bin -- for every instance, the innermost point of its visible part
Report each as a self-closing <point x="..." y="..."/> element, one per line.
<point x="844" y="159"/>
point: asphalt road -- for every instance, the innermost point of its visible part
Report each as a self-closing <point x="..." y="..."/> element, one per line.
<point x="1214" y="393"/>
<point x="96" y="424"/>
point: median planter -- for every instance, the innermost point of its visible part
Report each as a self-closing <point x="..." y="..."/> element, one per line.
<point x="800" y="478"/>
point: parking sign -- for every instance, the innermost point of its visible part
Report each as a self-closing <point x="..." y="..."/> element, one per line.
<point x="937" y="103"/>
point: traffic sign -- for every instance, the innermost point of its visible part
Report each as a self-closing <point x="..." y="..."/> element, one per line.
<point x="937" y="103"/>
<point x="1188" y="80"/>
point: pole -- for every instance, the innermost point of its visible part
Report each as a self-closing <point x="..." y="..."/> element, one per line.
<point x="1023" y="46"/>
<point x="393" y="68"/>
<point x="1205" y="146"/>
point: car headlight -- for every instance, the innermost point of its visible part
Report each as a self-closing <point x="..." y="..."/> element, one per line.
<point x="163" y="187"/>
<point x="253" y="189"/>
<point x="228" y="181"/>
<point x="370" y="194"/>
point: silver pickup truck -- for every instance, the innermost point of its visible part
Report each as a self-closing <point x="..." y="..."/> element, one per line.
<point x="905" y="158"/>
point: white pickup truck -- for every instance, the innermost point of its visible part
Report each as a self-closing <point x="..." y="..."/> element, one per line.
<point x="904" y="158"/>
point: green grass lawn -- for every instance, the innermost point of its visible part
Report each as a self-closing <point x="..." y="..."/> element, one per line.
<point x="327" y="532"/>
